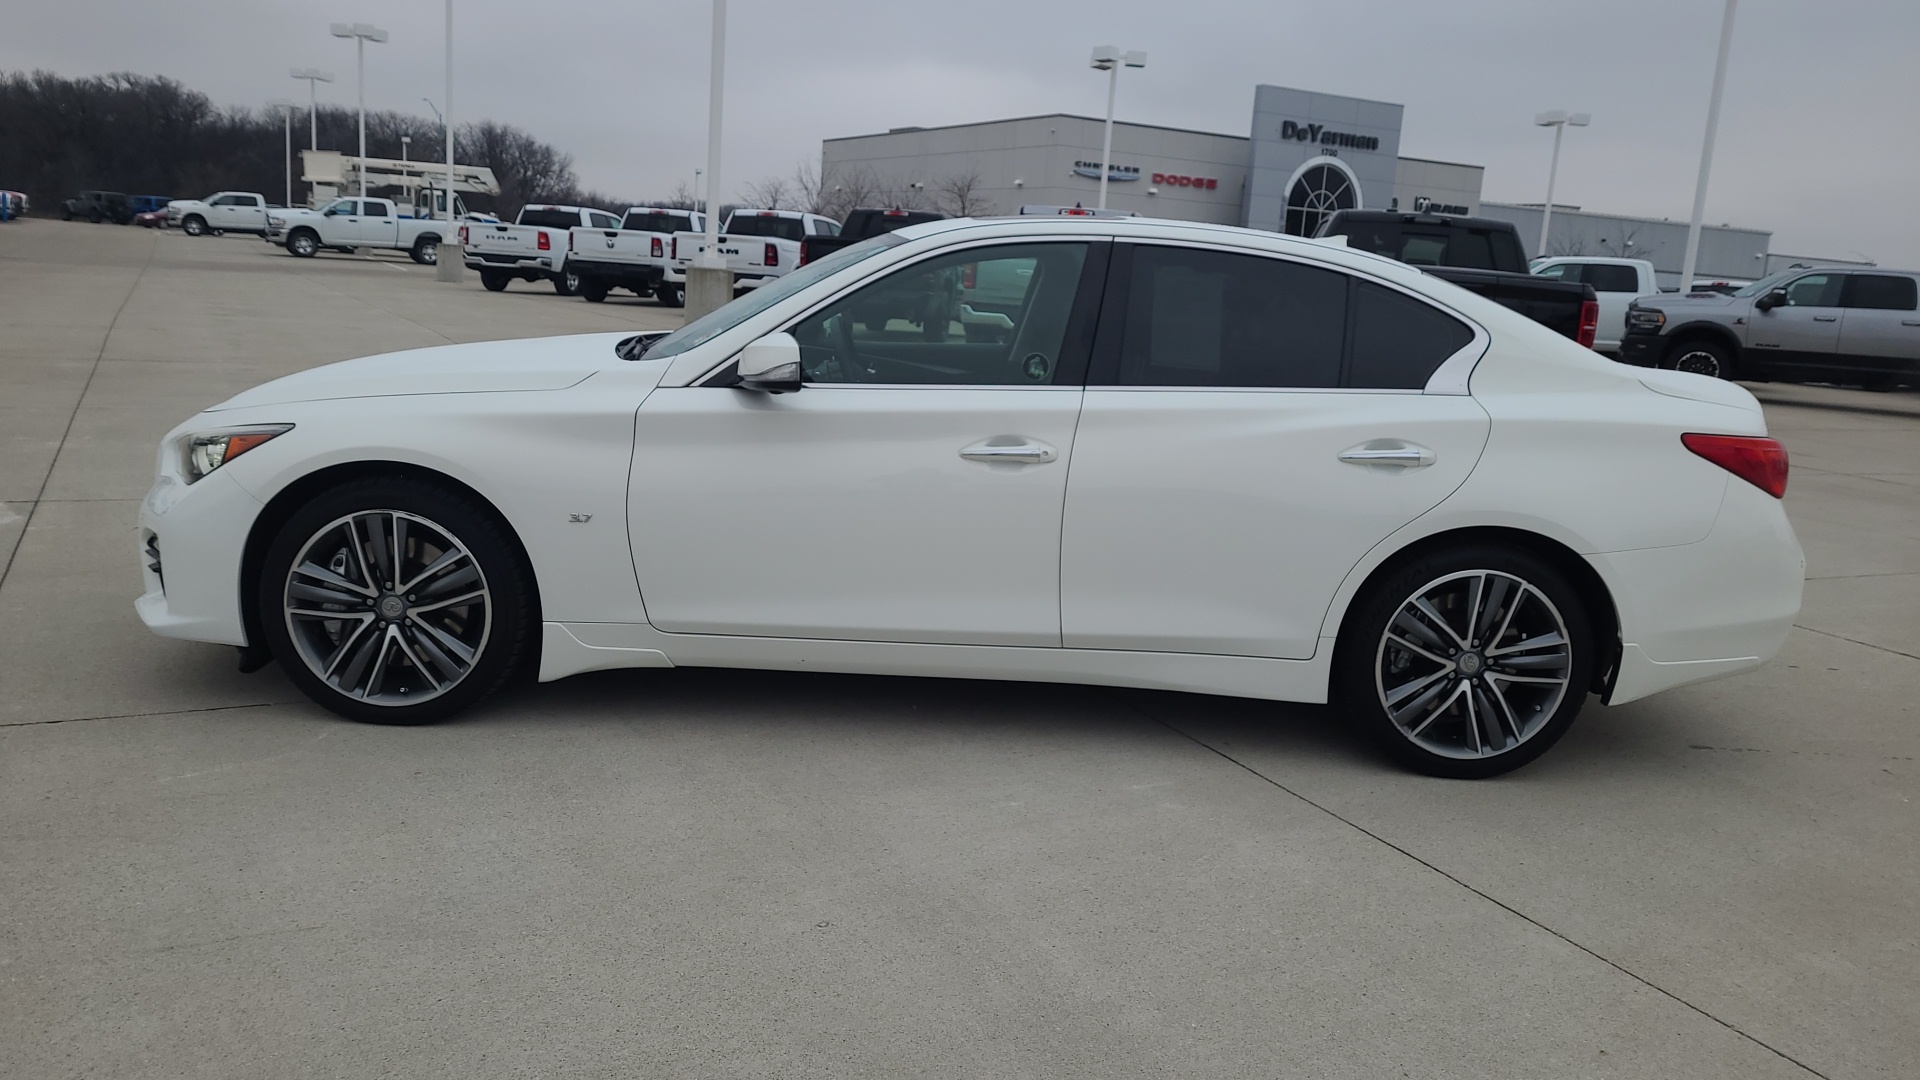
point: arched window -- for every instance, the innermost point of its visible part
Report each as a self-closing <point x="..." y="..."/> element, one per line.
<point x="1317" y="192"/>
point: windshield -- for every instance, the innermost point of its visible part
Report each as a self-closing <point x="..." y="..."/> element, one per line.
<point x="717" y="322"/>
<point x="1765" y="284"/>
<point x="778" y="228"/>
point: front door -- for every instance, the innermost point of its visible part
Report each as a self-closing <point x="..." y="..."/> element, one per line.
<point x="1803" y="334"/>
<point x="1252" y="428"/>
<point x="910" y="491"/>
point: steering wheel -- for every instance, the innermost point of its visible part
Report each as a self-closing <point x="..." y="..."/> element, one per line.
<point x="853" y="366"/>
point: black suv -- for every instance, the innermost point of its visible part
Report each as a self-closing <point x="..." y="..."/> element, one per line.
<point x="98" y="206"/>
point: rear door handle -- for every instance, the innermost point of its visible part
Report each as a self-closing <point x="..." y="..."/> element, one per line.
<point x="1392" y="452"/>
<point x="1910" y="322"/>
<point x="1010" y="453"/>
<point x="1825" y="318"/>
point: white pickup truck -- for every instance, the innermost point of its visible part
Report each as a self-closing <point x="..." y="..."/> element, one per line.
<point x="348" y="224"/>
<point x="637" y="254"/>
<point x="758" y="245"/>
<point x="1616" y="284"/>
<point x="534" y="246"/>
<point x="222" y="211"/>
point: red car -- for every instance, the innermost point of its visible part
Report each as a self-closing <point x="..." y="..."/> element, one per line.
<point x="152" y="219"/>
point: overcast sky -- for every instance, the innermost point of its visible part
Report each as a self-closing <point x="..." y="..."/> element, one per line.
<point x="1819" y="137"/>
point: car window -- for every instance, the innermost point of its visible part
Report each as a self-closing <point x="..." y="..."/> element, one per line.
<point x="549" y="218"/>
<point x="778" y="228"/>
<point x="990" y="316"/>
<point x="1564" y="271"/>
<point x="604" y="221"/>
<point x="829" y="228"/>
<point x="378" y="208"/>
<point x="1398" y="341"/>
<point x="655" y="221"/>
<point x="1815" y="290"/>
<point x="1210" y="318"/>
<point x="224" y="200"/>
<point x="1885" y="292"/>
<point x="1606" y="277"/>
<point x="347" y="207"/>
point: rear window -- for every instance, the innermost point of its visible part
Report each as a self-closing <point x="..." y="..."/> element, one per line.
<point x="1605" y="277"/>
<point x="778" y="228"/>
<point x="1436" y="245"/>
<point x="1885" y="292"/>
<point x="549" y="218"/>
<point x="654" y="221"/>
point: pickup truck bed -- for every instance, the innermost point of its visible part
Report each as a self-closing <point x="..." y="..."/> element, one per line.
<point x="636" y="255"/>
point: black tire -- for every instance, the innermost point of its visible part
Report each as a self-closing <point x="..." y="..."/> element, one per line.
<point x="499" y="629"/>
<point x="194" y="225"/>
<point x="566" y="283"/>
<point x="94" y="216"/>
<point x="494" y="280"/>
<point x="671" y="295"/>
<point x="593" y="291"/>
<point x="303" y="243"/>
<point x="66" y="213"/>
<point x="426" y="250"/>
<point x="1702" y="357"/>
<point x="1442" y="697"/>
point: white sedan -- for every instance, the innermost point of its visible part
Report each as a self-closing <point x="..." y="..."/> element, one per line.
<point x="1113" y="451"/>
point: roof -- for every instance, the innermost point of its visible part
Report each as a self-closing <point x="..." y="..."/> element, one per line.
<point x="1039" y="116"/>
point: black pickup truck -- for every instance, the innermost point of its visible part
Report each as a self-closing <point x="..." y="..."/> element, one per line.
<point x="1478" y="254"/>
<point x="860" y="225"/>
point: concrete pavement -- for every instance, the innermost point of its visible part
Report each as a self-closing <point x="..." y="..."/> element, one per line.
<point x="699" y="873"/>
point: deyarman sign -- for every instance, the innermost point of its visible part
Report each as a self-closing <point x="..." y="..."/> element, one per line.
<point x="1315" y="133"/>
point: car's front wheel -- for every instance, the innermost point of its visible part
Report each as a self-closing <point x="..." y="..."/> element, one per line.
<point x="396" y="601"/>
<point x="303" y="244"/>
<point x="594" y="292"/>
<point x="1701" y="358"/>
<point x="194" y="225"/>
<point x="493" y="280"/>
<point x="426" y="250"/>
<point x="1467" y="662"/>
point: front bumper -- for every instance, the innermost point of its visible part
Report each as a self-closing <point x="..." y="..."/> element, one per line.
<point x="1642" y="350"/>
<point x="199" y="534"/>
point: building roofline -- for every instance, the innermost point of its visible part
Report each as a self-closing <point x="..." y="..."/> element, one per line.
<point x="1437" y="161"/>
<point x="1039" y="116"/>
<point x="1557" y="208"/>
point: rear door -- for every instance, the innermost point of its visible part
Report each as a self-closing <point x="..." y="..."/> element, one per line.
<point x="1252" y="426"/>
<point x="1880" y="328"/>
<point x="378" y="226"/>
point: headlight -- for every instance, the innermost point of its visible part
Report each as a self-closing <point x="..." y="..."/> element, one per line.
<point x="1646" y="319"/>
<point x="206" y="453"/>
<point x="275" y="220"/>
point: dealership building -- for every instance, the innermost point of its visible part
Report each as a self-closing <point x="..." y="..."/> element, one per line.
<point x="1306" y="155"/>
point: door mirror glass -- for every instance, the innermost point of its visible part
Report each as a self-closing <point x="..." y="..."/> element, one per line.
<point x="771" y="364"/>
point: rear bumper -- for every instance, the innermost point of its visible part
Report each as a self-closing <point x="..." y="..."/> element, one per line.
<point x="1702" y="611"/>
<point x="488" y="260"/>
<point x="1642" y="350"/>
<point x="627" y="275"/>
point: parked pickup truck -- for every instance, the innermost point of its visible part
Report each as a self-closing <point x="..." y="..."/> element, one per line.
<point x="533" y="247"/>
<point x="222" y="211"/>
<point x="347" y="224"/>
<point x="862" y="224"/>
<point x="758" y="245"/>
<point x="636" y="253"/>
<point x="1616" y="284"/>
<point x="1478" y="254"/>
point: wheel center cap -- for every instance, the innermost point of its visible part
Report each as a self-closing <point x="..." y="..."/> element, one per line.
<point x="391" y="607"/>
<point x="1470" y="663"/>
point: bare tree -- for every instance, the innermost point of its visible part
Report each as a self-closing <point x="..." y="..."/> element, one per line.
<point x="960" y="195"/>
<point x="772" y="193"/>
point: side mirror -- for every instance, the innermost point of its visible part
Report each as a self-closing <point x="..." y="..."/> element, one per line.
<point x="771" y="364"/>
<point x="330" y="211"/>
<point x="1774" y="299"/>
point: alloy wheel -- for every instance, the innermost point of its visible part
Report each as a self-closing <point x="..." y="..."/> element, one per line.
<point x="1474" y="664"/>
<point x="387" y="607"/>
<point x="1698" y="362"/>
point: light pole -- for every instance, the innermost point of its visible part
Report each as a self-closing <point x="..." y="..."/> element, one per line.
<point x="286" y="110"/>
<point x="709" y="283"/>
<point x="405" y="141"/>
<point x="313" y="76"/>
<point x="1559" y="120"/>
<point x="1110" y="59"/>
<point x="450" y="263"/>
<point x="1706" y="153"/>
<point x="361" y="33"/>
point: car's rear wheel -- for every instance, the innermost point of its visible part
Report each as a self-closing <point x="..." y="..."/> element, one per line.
<point x="671" y="295"/>
<point x="1701" y="358"/>
<point x="1468" y="662"/>
<point x="194" y="225"/>
<point x="494" y="280"/>
<point x="566" y="283"/>
<point x="593" y="291"/>
<point x="426" y="250"/>
<point x="396" y="601"/>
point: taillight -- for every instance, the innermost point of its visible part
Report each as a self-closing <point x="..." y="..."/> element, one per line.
<point x="658" y="247"/>
<point x="772" y="257"/>
<point x="1760" y="462"/>
<point x="546" y="242"/>
<point x="806" y="252"/>
<point x="463" y="236"/>
<point x="1589" y="322"/>
<point x="966" y="275"/>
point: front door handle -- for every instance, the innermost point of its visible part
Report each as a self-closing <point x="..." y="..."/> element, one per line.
<point x="1910" y="322"/>
<point x="1825" y="318"/>
<point x="1392" y="452"/>
<point x="1009" y="452"/>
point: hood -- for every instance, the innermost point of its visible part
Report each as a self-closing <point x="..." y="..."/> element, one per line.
<point x="1672" y="302"/>
<point x="487" y="367"/>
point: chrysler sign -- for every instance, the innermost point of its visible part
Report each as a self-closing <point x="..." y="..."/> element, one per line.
<point x="1316" y="133"/>
<point x="1115" y="173"/>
